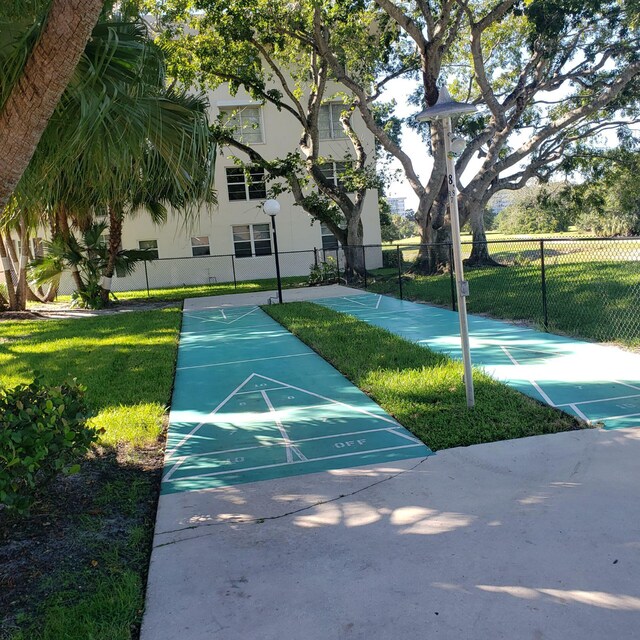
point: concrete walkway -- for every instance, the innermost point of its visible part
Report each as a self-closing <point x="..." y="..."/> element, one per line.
<point x="534" y="538"/>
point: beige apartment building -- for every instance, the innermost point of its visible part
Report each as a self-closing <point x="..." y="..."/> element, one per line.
<point x="233" y="240"/>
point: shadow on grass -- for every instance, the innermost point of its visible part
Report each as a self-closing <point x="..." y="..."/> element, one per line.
<point x="76" y="567"/>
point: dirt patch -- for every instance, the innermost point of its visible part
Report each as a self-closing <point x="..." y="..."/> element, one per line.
<point x="20" y="315"/>
<point x="77" y="521"/>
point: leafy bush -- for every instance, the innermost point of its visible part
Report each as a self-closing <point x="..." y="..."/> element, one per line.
<point x="42" y="432"/>
<point x="324" y="272"/>
<point x="390" y="258"/>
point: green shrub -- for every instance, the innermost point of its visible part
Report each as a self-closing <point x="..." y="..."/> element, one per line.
<point x="390" y="258"/>
<point x="42" y="432"/>
<point x="324" y="272"/>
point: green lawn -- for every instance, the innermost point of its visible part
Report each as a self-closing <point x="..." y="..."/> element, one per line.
<point x="101" y="520"/>
<point x="593" y="300"/>
<point x="198" y="291"/>
<point x="422" y="389"/>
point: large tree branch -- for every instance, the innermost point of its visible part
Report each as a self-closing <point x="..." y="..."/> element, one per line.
<point x="359" y="92"/>
<point x="283" y="81"/>
<point x="571" y="117"/>
<point x="231" y="77"/>
<point x="404" y="22"/>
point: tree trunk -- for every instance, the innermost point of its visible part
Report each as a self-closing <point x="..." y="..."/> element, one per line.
<point x="480" y="256"/>
<point x="44" y="78"/>
<point x="115" y="240"/>
<point x="355" y="261"/>
<point x="434" y="255"/>
<point x="51" y="293"/>
<point x="63" y="228"/>
<point x="6" y="271"/>
<point x="21" y="285"/>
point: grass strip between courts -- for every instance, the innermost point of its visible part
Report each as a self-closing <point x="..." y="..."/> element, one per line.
<point x="422" y="389"/>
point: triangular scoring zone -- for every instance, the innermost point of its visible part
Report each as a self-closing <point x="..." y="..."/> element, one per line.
<point x="223" y="316"/>
<point x="274" y="385"/>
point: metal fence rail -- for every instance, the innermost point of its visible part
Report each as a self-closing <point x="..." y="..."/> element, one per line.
<point x="588" y="287"/>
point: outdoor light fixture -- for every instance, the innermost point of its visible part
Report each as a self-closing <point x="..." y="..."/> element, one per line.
<point x="443" y="109"/>
<point x="272" y="208"/>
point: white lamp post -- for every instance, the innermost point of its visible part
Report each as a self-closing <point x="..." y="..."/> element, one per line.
<point x="272" y="208"/>
<point x="444" y="108"/>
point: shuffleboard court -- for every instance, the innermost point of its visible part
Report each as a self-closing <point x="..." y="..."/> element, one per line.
<point x="251" y="402"/>
<point x="597" y="383"/>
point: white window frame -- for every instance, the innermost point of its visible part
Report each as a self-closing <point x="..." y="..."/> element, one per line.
<point x="326" y="233"/>
<point x="198" y="245"/>
<point x="157" y="249"/>
<point x="228" y="111"/>
<point x="252" y="240"/>
<point x="333" y="177"/>
<point x="247" y="195"/>
<point x="336" y="132"/>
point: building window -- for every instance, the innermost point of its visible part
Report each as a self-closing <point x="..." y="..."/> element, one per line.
<point x="329" y="125"/>
<point x="333" y="171"/>
<point x="239" y="188"/>
<point x="329" y="241"/>
<point x="151" y="246"/>
<point x="251" y="240"/>
<point x="38" y="248"/>
<point x="200" y="246"/>
<point x="246" y="123"/>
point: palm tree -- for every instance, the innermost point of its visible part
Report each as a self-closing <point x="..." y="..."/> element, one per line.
<point x="118" y="141"/>
<point x="33" y="88"/>
<point x="88" y="258"/>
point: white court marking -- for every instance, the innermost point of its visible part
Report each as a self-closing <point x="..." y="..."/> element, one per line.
<point x="566" y="404"/>
<point x="577" y="410"/>
<point x="284" y="464"/>
<point x="533" y="383"/>
<point x="221" y="364"/>
<point x="224" y="319"/>
<point x="295" y="441"/>
<point x="291" y="448"/>
<point x="362" y="304"/>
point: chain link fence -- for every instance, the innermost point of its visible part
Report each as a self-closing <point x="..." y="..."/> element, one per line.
<point x="588" y="287"/>
<point x="199" y="274"/>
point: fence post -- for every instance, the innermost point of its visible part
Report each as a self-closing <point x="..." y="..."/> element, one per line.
<point x="452" y="280"/>
<point x="364" y="265"/>
<point x="338" y="262"/>
<point x="146" y="278"/>
<point x="399" y="253"/>
<point x="543" y="274"/>
<point x="233" y="267"/>
<point x="315" y="256"/>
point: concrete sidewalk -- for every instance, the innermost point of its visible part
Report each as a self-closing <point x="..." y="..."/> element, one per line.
<point x="534" y="538"/>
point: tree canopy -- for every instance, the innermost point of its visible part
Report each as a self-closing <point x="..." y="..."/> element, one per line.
<point x="548" y="74"/>
<point x="263" y="47"/>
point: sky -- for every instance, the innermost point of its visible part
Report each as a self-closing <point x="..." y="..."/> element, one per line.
<point x="416" y="148"/>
